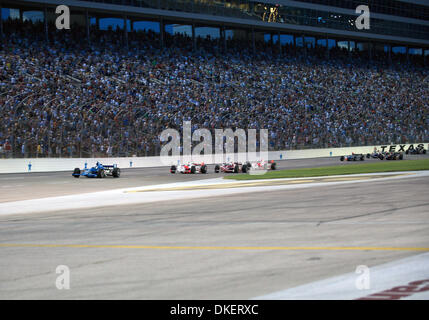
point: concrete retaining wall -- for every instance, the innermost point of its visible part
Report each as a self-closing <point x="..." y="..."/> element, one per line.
<point x="68" y="164"/>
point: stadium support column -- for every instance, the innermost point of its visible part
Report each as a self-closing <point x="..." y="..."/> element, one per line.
<point x="253" y="41"/>
<point x="1" y="22"/>
<point x="389" y="55"/>
<point x="161" y="32"/>
<point x="280" y="43"/>
<point x="370" y="51"/>
<point x="194" y="41"/>
<point x="87" y="23"/>
<point x="304" y="44"/>
<point x="349" y="49"/>
<point x="223" y="30"/>
<point x="408" y="53"/>
<point x="225" y="44"/>
<point x="294" y="44"/>
<point x="45" y="18"/>
<point x="327" y="47"/>
<point x="125" y="32"/>
<point x="424" y="56"/>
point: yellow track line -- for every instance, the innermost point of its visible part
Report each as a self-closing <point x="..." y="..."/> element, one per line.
<point x="264" y="182"/>
<point x="29" y="245"/>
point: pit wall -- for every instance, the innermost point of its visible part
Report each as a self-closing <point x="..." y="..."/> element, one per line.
<point x="68" y="164"/>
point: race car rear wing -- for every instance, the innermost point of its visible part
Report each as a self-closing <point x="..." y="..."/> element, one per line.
<point x="110" y="166"/>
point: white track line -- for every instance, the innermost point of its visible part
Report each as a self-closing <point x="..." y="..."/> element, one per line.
<point x="130" y="196"/>
<point x="388" y="281"/>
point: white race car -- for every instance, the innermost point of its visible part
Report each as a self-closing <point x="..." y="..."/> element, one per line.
<point x="189" y="168"/>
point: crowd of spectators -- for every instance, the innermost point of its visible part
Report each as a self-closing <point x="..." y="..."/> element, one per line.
<point x="71" y="97"/>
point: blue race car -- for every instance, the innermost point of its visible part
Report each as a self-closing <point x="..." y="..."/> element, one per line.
<point x="98" y="171"/>
<point x="376" y="155"/>
<point x="353" y="157"/>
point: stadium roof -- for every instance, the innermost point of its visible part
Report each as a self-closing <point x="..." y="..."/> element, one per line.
<point x="385" y="28"/>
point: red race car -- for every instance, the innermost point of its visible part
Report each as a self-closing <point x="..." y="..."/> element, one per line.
<point x="231" y="167"/>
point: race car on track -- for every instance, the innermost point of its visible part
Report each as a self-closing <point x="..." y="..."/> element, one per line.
<point x="394" y="156"/>
<point x="231" y="167"/>
<point x="419" y="150"/>
<point x="98" y="171"/>
<point x="376" y="155"/>
<point x="261" y="165"/>
<point x="190" y="168"/>
<point x="353" y="157"/>
<point x="236" y="167"/>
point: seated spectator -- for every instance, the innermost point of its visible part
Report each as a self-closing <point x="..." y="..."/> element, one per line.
<point x="67" y="99"/>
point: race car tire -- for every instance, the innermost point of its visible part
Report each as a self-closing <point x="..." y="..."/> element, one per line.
<point x="407" y="152"/>
<point x="362" y="158"/>
<point x="173" y="169"/>
<point x="116" y="172"/>
<point x="76" y="173"/>
<point x="424" y="151"/>
<point x="101" y="174"/>
<point x="193" y="169"/>
<point x="204" y="169"/>
<point x="244" y="168"/>
<point x="217" y="168"/>
<point x="273" y="166"/>
<point x="368" y="155"/>
<point x="236" y="168"/>
<point x="401" y="156"/>
<point x="381" y="157"/>
<point x="342" y="158"/>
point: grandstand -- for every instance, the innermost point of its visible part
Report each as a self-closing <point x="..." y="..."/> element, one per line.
<point x="300" y="69"/>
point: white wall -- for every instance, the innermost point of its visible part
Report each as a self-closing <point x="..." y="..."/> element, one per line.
<point x="68" y="164"/>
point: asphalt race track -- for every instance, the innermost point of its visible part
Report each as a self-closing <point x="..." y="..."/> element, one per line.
<point x="262" y="243"/>
<point x="23" y="186"/>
